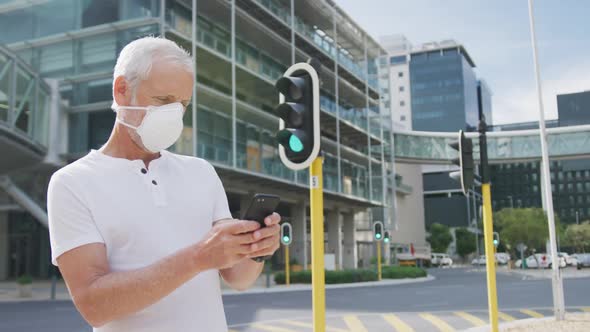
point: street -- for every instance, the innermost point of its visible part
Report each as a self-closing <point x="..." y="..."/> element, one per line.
<point x="455" y="300"/>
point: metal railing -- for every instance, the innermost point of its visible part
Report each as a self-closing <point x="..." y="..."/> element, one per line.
<point x="24" y="98"/>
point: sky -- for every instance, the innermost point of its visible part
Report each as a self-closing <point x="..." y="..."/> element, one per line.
<point x="497" y="36"/>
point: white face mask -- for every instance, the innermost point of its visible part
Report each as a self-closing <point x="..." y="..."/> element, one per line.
<point x="161" y="126"/>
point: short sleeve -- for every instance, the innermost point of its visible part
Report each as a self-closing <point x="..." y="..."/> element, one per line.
<point x="220" y="205"/>
<point x="70" y="222"/>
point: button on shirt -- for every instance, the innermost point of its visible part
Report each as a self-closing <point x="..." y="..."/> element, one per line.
<point x="142" y="215"/>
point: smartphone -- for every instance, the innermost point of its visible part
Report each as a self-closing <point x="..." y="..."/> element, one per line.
<point x="260" y="207"/>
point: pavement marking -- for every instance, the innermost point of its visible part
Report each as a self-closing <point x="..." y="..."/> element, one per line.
<point x="270" y="328"/>
<point x="470" y="318"/>
<point x="437" y="322"/>
<point x="354" y="324"/>
<point x="308" y="325"/>
<point x="506" y="317"/>
<point x="397" y="323"/>
<point x="532" y="313"/>
<point x="586" y="309"/>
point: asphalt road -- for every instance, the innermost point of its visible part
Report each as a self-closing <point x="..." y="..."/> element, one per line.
<point x="422" y="306"/>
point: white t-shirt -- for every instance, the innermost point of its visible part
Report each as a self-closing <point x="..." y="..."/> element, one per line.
<point x="142" y="216"/>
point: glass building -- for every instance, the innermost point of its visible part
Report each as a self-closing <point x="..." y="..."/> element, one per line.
<point x="241" y="49"/>
<point x="518" y="185"/>
<point x="443" y="88"/>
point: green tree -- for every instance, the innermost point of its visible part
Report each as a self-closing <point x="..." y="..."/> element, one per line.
<point x="440" y="237"/>
<point x="578" y="236"/>
<point x="528" y="226"/>
<point x="465" y="241"/>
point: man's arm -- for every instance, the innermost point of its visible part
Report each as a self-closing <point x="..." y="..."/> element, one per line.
<point x="102" y="296"/>
<point x="243" y="275"/>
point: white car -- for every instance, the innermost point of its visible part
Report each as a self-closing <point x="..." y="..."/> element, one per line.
<point x="481" y="260"/>
<point x="540" y="261"/>
<point x="569" y="260"/>
<point x="441" y="259"/>
<point x="502" y="258"/>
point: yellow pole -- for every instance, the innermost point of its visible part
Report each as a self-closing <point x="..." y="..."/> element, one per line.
<point x="317" y="246"/>
<point x="287" y="272"/>
<point x="490" y="257"/>
<point x="379" y="260"/>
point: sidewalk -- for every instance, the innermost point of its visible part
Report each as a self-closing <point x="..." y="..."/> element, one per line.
<point x="578" y="322"/>
<point x="42" y="289"/>
<point x="566" y="273"/>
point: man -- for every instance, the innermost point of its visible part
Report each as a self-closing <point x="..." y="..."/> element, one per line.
<point x="140" y="234"/>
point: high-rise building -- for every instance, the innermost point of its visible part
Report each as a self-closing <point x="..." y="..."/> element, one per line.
<point x="409" y="228"/>
<point x="573" y="108"/>
<point x="443" y="88"/>
<point x="77" y="44"/>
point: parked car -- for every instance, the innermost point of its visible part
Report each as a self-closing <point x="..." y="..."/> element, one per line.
<point x="441" y="259"/>
<point x="481" y="260"/>
<point x="583" y="260"/>
<point x="540" y="261"/>
<point x="502" y="258"/>
<point x="569" y="260"/>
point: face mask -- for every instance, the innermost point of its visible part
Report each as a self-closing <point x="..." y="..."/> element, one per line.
<point x="160" y="127"/>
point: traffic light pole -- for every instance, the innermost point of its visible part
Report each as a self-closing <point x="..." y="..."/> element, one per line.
<point x="488" y="229"/>
<point x="287" y="275"/>
<point x="379" y="260"/>
<point x="317" y="246"/>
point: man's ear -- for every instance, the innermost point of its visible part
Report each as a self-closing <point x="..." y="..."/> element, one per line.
<point x="122" y="91"/>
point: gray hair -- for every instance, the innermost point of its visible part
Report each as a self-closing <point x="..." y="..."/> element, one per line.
<point x="137" y="58"/>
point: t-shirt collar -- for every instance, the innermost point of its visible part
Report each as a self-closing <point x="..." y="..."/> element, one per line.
<point x="129" y="162"/>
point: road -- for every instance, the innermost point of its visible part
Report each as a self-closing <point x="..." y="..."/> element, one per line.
<point x="455" y="300"/>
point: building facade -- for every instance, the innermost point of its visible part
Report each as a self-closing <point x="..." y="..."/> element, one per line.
<point x="241" y="49"/>
<point x="408" y="227"/>
<point x="443" y="88"/>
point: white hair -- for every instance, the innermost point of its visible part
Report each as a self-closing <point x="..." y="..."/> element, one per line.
<point x="137" y="58"/>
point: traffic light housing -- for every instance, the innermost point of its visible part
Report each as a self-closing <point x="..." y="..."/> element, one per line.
<point x="286" y="234"/>
<point x="386" y="238"/>
<point x="299" y="112"/>
<point x="496" y="239"/>
<point x="464" y="147"/>
<point x="378" y="231"/>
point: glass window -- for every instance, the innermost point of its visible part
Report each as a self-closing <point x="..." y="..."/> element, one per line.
<point x="402" y="118"/>
<point x="400" y="74"/>
<point x="401" y="89"/>
<point x="570" y="187"/>
<point x="579" y="186"/>
<point x="95" y="12"/>
<point x="560" y="176"/>
<point x="402" y="103"/>
<point x="397" y="59"/>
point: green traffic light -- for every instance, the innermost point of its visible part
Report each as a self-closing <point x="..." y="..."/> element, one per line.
<point x="386" y="240"/>
<point x="495" y="242"/>
<point x="295" y="144"/>
<point x="377" y="236"/>
<point x="285" y="239"/>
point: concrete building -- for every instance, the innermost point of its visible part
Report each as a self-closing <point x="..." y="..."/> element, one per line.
<point x="409" y="229"/>
<point x="75" y="44"/>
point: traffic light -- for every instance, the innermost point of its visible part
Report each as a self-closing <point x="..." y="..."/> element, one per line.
<point x="465" y="161"/>
<point x="299" y="110"/>
<point x="496" y="239"/>
<point x="286" y="238"/>
<point x="386" y="237"/>
<point x="378" y="230"/>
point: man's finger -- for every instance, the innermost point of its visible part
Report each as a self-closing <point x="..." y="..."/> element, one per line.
<point x="266" y="232"/>
<point x="273" y="219"/>
<point x="244" y="226"/>
<point x="265" y="243"/>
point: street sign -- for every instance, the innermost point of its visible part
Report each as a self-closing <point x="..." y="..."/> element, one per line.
<point x="521" y="247"/>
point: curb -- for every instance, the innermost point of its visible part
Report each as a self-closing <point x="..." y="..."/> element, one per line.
<point x="306" y="287"/>
<point x="515" y="323"/>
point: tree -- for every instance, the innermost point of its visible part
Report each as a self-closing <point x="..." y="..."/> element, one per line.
<point x="578" y="236"/>
<point x="465" y="242"/>
<point x="528" y="226"/>
<point x="440" y="237"/>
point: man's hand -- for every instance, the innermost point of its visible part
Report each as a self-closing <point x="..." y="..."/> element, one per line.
<point x="267" y="238"/>
<point x="227" y="243"/>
